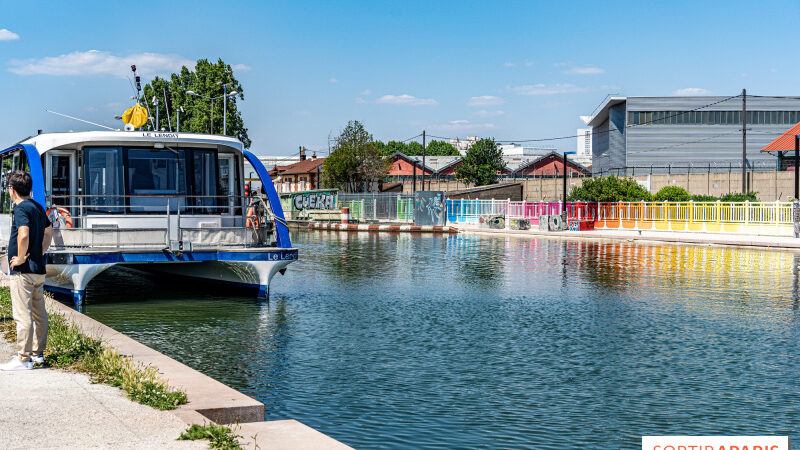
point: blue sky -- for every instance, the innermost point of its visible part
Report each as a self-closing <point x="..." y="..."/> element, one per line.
<point x="505" y="69"/>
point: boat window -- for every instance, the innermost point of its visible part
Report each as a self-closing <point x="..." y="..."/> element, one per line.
<point x="103" y="179"/>
<point x="204" y="179"/>
<point x="155" y="173"/>
<point x="60" y="179"/>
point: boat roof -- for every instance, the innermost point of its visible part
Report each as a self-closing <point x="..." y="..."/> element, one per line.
<point x="50" y="141"/>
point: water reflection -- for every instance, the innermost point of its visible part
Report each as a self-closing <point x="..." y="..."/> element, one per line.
<point x="398" y="341"/>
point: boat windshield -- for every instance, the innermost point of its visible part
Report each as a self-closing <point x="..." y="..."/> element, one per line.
<point x="133" y="180"/>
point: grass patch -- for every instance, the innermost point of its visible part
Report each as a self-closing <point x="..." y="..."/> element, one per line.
<point x="68" y="348"/>
<point x="221" y="437"/>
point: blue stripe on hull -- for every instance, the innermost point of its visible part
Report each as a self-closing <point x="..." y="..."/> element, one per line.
<point x="144" y="257"/>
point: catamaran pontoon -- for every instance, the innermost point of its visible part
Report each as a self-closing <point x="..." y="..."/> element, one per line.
<point x="167" y="202"/>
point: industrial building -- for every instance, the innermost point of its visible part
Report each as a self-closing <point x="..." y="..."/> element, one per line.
<point x="676" y="134"/>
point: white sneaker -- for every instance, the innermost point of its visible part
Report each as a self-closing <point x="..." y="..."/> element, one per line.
<point x="16" y="364"/>
<point x="37" y="359"/>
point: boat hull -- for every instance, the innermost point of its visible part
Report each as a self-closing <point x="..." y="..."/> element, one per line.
<point x="70" y="273"/>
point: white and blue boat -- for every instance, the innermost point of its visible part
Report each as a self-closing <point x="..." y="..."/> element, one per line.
<point x="174" y="203"/>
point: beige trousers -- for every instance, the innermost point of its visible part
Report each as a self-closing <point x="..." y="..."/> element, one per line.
<point x="30" y="315"/>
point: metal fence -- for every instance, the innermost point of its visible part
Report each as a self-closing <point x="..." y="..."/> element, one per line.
<point x="379" y="206"/>
<point x="767" y="218"/>
<point x="469" y="211"/>
<point x="773" y="218"/>
<point x="532" y="210"/>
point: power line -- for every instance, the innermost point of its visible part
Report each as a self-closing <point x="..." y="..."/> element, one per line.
<point x="413" y="137"/>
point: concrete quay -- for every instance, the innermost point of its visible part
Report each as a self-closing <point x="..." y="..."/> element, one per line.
<point x="680" y="237"/>
<point x="46" y="408"/>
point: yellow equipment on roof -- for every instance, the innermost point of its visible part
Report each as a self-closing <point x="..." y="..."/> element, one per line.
<point x="135" y="115"/>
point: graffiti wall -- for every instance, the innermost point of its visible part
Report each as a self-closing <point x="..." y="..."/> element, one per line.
<point x="429" y="208"/>
<point x="302" y="201"/>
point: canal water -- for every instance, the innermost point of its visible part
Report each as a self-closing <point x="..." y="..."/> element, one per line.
<point x="410" y="341"/>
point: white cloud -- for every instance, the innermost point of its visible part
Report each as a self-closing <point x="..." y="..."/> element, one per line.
<point x="462" y="125"/>
<point x="360" y="100"/>
<point x="6" y="35"/>
<point x="366" y="92"/>
<point x="525" y="63"/>
<point x="587" y="70"/>
<point x="691" y="91"/>
<point x="406" y="99"/>
<point x="96" y="62"/>
<point x="484" y="100"/>
<point x="333" y="80"/>
<point x="485" y="113"/>
<point x="240" y="67"/>
<point x="546" y="89"/>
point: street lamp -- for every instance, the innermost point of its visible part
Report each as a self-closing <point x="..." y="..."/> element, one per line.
<point x="225" y="107"/>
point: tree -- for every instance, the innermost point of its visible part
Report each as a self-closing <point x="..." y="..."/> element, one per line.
<point x="609" y="189"/>
<point x="355" y="162"/>
<point x="196" y="115"/>
<point x="413" y="149"/>
<point x="441" y="148"/>
<point x="481" y="163"/>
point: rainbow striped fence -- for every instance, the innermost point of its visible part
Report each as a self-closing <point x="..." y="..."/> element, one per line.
<point x="768" y="218"/>
<point x="765" y="218"/>
<point x="532" y="210"/>
<point x="469" y="211"/>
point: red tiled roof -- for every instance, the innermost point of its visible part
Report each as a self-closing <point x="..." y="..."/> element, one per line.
<point x="306" y="166"/>
<point x="783" y="142"/>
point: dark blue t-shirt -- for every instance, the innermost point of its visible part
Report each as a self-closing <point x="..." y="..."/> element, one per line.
<point x="29" y="214"/>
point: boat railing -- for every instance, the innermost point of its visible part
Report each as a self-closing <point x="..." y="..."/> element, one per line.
<point x="160" y="221"/>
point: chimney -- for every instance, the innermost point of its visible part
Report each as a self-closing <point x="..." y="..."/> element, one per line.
<point x="302" y="153"/>
<point x="313" y="155"/>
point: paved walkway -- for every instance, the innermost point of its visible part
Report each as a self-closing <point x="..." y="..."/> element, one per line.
<point x="52" y="409"/>
<point x="742" y="240"/>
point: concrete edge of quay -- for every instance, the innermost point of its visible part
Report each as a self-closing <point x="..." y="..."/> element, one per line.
<point x="392" y="228"/>
<point x="208" y="399"/>
<point x="678" y="237"/>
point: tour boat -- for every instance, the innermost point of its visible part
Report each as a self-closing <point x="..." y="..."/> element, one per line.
<point x="174" y="203"/>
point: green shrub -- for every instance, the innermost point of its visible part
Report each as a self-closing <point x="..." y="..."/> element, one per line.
<point x="751" y="196"/>
<point x="221" y="437"/>
<point x="704" y="198"/>
<point x="672" y="194"/>
<point x="609" y="189"/>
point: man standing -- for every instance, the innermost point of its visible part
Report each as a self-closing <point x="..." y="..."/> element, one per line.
<point x="31" y="233"/>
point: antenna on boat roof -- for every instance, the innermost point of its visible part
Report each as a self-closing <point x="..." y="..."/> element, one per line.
<point x="80" y="120"/>
<point x="138" y="82"/>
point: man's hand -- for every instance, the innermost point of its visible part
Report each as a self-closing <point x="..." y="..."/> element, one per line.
<point x="18" y="260"/>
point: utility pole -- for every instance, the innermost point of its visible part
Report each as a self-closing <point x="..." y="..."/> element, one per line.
<point x="744" y="141"/>
<point x="414" y="178"/>
<point x="423" y="160"/>
<point x="564" y="204"/>
<point x="796" y="165"/>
